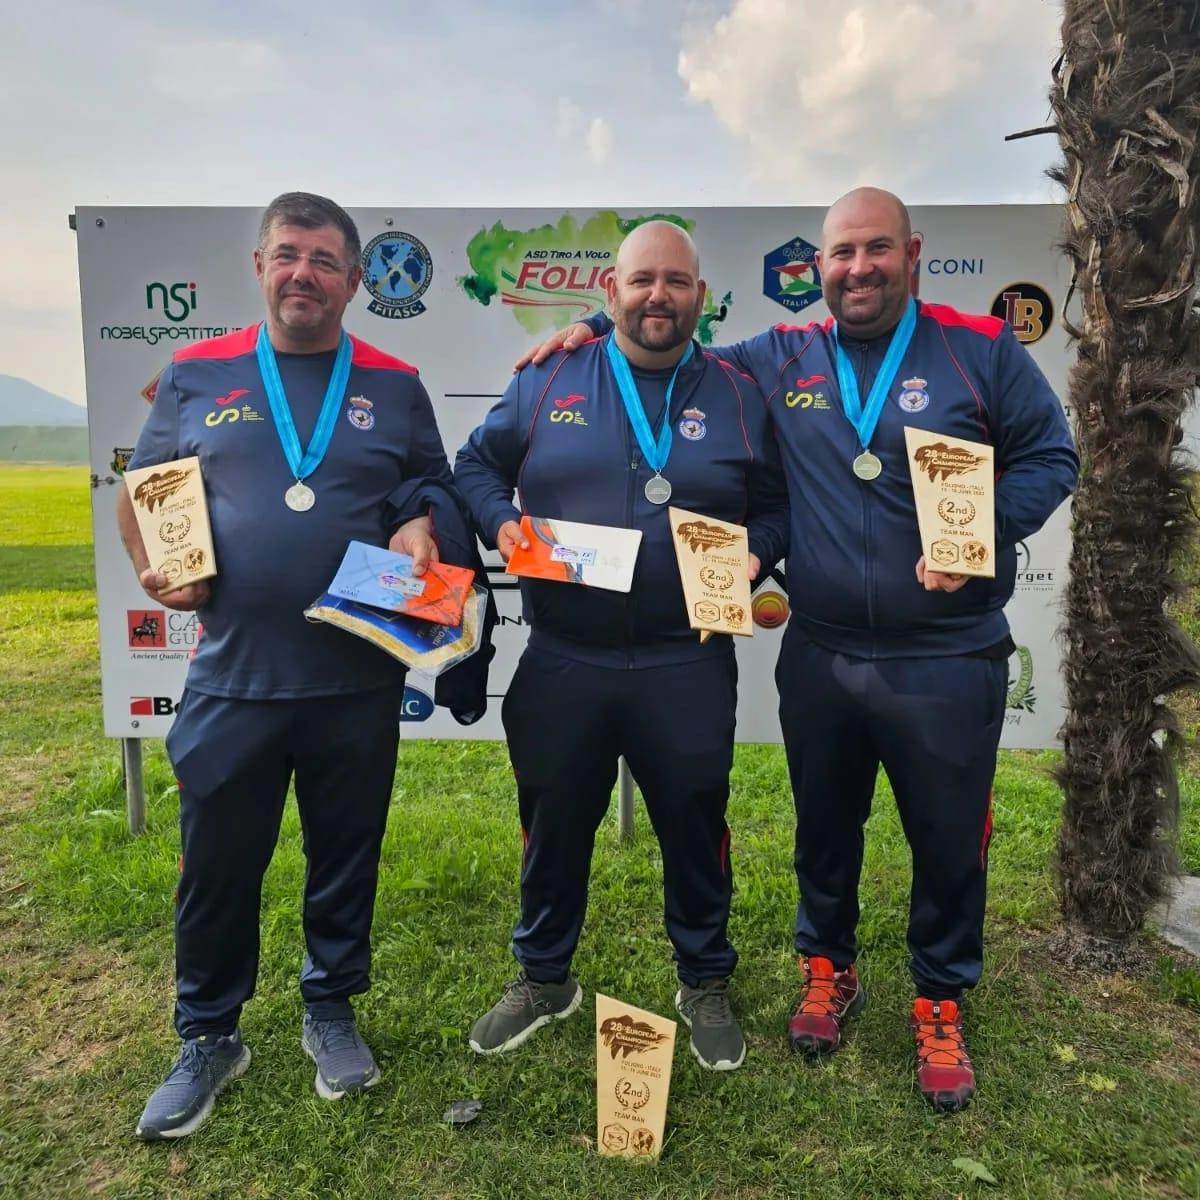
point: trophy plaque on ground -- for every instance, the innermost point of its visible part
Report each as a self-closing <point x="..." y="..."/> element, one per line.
<point x="954" y="486"/>
<point x="634" y="1050"/>
<point x="172" y="516"/>
<point x="714" y="566"/>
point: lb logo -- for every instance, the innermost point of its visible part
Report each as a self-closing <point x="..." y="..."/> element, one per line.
<point x="769" y="609"/>
<point x="1027" y="308"/>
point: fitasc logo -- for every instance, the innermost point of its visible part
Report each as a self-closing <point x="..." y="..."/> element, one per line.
<point x="397" y="270"/>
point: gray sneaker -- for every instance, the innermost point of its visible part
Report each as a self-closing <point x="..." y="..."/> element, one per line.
<point x="717" y="1041"/>
<point x="344" y="1061"/>
<point x="184" y="1100"/>
<point x="523" y="1009"/>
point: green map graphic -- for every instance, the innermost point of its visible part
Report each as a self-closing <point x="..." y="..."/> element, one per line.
<point x="553" y="275"/>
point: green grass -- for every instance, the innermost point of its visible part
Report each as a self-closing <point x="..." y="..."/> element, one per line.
<point x="1088" y="1086"/>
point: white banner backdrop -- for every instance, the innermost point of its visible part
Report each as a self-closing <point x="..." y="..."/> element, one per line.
<point x="461" y="293"/>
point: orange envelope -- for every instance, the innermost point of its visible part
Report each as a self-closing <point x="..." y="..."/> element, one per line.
<point x="601" y="556"/>
<point x="447" y="589"/>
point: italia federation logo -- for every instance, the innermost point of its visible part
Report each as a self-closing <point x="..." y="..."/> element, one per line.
<point x="790" y="275"/>
<point x="397" y="270"/>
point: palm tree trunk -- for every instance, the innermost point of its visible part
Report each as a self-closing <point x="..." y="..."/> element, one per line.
<point x="1127" y="101"/>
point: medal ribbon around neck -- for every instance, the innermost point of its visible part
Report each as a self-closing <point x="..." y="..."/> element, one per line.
<point x="303" y="464"/>
<point x="655" y="451"/>
<point x="865" y="421"/>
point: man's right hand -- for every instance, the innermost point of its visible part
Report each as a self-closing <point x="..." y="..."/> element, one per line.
<point x="569" y="339"/>
<point x="185" y="599"/>
<point x="509" y="537"/>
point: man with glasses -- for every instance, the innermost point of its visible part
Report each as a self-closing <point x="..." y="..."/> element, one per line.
<point x="307" y="438"/>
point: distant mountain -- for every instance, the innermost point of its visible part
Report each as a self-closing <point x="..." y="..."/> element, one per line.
<point x="24" y="403"/>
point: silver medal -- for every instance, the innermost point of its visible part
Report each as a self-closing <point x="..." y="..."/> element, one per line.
<point x="658" y="490"/>
<point x="866" y="466"/>
<point x="299" y="497"/>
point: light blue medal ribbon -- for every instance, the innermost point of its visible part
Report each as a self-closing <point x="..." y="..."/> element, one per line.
<point x="654" y="450"/>
<point x="867" y="466"/>
<point x="300" y="496"/>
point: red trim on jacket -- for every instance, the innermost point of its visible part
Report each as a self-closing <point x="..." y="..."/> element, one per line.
<point x="228" y="345"/>
<point x="372" y="358"/>
<point x="943" y="314"/>
<point x="826" y="325"/>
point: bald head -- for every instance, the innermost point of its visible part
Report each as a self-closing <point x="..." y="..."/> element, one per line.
<point x="655" y="293"/>
<point x="866" y="261"/>
<point x="656" y="240"/>
<point x="867" y="205"/>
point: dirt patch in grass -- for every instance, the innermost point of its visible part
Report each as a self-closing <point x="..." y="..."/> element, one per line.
<point x="57" y="1002"/>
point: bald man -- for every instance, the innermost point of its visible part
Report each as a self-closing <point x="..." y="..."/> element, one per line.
<point x="607" y="436"/>
<point x="884" y="660"/>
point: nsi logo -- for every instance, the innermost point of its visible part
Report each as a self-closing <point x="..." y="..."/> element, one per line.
<point x="176" y="300"/>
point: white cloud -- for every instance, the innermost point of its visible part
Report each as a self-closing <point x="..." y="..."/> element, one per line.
<point x="827" y="95"/>
<point x="597" y="137"/>
<point x="599" y="141"/>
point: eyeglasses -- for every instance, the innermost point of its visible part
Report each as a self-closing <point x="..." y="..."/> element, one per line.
<point x="323" y="264"/>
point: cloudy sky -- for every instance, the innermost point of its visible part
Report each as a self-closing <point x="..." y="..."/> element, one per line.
<point x="481" y="102"/>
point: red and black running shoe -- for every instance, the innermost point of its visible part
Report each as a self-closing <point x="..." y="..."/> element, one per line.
<point x="944" y="1071"/>
<point x="827" y="998"/>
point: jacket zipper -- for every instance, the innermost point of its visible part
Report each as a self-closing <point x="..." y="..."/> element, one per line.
<point x="865" y="488"/>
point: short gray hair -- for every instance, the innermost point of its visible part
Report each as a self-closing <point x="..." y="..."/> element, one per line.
<point x="310" y="211"/>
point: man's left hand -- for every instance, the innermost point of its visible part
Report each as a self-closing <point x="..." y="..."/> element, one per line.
<point x="415" y="538"/>
<point x="755" y="567"/>
<point x="937" y="581"/>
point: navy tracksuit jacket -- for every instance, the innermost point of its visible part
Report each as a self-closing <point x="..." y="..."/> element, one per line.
<point x="271" y="697"/>
<point x="874" y="668"/>
<point x="607" y="674"/>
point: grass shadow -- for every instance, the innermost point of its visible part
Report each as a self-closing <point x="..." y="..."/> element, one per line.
<point x="46" y="568"/>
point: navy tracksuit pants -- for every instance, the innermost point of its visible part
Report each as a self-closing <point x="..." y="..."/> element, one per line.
<point x="234" y="760"/>
<point x="934" y="724"/>
<point x="566" y="724"/>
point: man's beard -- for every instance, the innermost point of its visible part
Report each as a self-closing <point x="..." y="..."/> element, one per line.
<point x="663" y="335"/>
<point x="886" y="302"/>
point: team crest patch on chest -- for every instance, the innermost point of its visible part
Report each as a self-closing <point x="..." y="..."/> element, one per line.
<point x="691" y="425"/>
<point x="359" y="413"/>
<point x="914" y="397"/>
